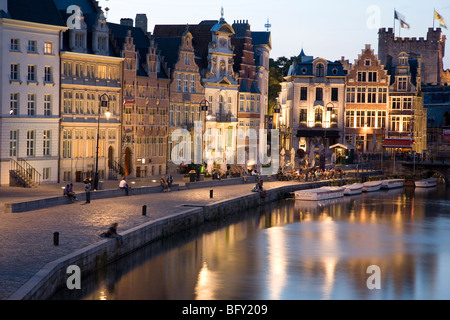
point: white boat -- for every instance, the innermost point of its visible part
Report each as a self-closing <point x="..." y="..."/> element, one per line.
<point x="322" y="193"/>
<point x="392" y="183"/>
<point x="426" y="183"/>
<point x="371" y="186"/>
<point x="354" y="188"/>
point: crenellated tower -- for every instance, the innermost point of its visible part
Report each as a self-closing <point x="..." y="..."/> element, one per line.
<point x="432" y="50"/>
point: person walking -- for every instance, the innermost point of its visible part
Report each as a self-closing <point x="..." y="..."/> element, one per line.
<point x="87" y="189"/>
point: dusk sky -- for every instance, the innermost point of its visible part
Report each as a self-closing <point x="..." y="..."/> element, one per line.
<point x="323" y="28"/>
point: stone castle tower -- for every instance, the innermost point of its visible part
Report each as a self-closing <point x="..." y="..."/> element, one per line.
<point x="432" y="50"/>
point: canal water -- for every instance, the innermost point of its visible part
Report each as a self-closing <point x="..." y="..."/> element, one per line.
<point x="381" y="245"/>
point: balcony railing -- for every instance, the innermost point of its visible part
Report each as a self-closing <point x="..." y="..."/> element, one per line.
<point x="223" y="117"/>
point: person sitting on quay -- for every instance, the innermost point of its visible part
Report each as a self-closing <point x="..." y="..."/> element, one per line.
<point x="68" y="190"/>
<point x="169" y="181"/>
<point x="112" y="233"/>
<point x="163" y="184"/>
<point x="124" y="185"/>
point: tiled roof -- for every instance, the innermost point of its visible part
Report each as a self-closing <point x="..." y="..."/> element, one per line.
<point x="169" y="48"/>
<point x="436" y="115"/>
<point x="261" y="38"/>
<point x="201" y="34"/>
<point x="140" y="40"/>
<point x="37" y="11"/>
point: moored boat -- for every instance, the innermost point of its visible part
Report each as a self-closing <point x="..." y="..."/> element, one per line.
<point x="371" y="186"/>
<point x="354" y="188"/>
<point x="426" y="183"/>
<point x="322" y="193"/>
<point x="392" y="183"/>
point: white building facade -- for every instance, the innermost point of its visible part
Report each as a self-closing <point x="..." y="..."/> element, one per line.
<point x="312" y="106"/>
<point x="29" y="130"/>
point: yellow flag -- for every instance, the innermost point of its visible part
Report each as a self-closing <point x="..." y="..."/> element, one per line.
<point x="439" y="18"/>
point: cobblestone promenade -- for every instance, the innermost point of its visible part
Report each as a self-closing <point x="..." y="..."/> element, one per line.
<point x="27" y="238"/>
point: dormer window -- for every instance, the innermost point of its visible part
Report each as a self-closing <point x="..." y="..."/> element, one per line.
<point x="79" y="40"/>
<point x="403" y="61"/>
<point x="402" y="83"/>
<point x="102" y="43"/>
<point x="319" y="70"/>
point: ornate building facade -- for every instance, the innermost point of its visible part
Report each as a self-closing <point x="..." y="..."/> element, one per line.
<point x="145" y="103"/>
<point x="312" y="101"/>
<point x="407" y="116"/>
<point x="90" y="74"/>
<point x="186" y="89"/>
<point x="367" y="103"/>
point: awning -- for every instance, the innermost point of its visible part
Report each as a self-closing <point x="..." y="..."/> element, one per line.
<point x="329" y="133"/>
<point x="343" y="146"/>
<point x="398" y="143"/>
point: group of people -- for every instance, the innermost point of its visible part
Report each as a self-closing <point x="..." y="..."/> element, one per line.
<point x="70" y="193"/>
<point x="166" y="184"/>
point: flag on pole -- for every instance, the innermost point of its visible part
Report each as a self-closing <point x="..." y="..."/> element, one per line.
<point x="398" y="16"/>
<point x="439" y="18"/>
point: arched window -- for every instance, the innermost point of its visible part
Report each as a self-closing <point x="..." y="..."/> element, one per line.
<point x="319" y="70"/>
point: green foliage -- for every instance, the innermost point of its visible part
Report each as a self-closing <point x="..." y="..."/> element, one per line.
<point x="277" y="70"/>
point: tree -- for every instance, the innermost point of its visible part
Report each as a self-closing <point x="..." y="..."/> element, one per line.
<point x="277" y="70"/>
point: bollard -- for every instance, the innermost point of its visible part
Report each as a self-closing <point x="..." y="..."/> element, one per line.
<point x="144" y="210"/>
<point x="56" y="238"/>
<point x="211" y="193"/>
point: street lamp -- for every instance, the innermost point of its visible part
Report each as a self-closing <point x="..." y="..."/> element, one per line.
<point x="102" y="104"/>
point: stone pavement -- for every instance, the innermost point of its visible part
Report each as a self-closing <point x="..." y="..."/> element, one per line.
<point x="27" y="238"/>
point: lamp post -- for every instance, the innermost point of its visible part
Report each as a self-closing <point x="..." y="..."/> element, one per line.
<point x="102" y="104"/>
<point x="204" y="105"/>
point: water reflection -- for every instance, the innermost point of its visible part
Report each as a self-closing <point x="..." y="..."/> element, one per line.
<point x="297" y="250"/>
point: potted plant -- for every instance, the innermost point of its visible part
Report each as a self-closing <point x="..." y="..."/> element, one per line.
<point x="186" y="178"/>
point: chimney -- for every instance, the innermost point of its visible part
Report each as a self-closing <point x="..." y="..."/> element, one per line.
<point x="142" y="22"/>
<point x="125" y="22"/>
<point x="4" y="5"/>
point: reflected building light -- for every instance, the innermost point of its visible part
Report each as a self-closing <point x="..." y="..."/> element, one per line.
<point x="330" y="268"/>
<point x="103" y="295"/>
<point x="205" y="287"/>
<point x="277" y="262"/>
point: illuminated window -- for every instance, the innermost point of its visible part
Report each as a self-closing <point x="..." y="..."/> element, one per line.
<point x="48" y="48"/>
<point x="13" y="135"/>
<point x="46" y="142"/>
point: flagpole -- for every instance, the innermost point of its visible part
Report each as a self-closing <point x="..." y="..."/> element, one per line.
<point x="434" y="16"/>
<point x="394" y="21"/>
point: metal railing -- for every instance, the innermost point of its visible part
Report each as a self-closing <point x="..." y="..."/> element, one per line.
<point x="223" y="117"/>
<point x="29" y="175"/>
